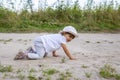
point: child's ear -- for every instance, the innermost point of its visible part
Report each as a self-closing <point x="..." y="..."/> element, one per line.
<point x="63" y="33"/>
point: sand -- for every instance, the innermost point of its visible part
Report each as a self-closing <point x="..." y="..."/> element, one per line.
<point x="91" y="50"/>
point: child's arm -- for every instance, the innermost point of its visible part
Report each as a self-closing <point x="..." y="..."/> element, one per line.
<point x="54" y="54"/>
<point x="67" y="52"/>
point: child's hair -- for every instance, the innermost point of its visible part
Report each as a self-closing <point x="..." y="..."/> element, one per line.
<point x="63" y="33"/>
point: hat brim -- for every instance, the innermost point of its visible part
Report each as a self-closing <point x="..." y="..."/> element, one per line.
<point x="76" y="35"/>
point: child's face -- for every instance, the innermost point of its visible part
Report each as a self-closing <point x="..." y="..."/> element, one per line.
<point x="68" y="37"/>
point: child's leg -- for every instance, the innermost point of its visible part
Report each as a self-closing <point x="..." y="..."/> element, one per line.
<point x="30" y="50"/>
<point x="40" y="52"/>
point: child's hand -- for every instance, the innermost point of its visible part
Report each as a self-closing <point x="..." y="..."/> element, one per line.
<point x="72" y="58"/>
<point x="55" y="55"/>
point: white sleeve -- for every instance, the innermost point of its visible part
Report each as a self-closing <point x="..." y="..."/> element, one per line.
<point x="63" y="40"/>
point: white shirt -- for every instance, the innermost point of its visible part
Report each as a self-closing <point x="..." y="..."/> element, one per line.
<point x="52" y="42"/>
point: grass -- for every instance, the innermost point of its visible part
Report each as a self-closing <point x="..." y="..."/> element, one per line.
<point x="31" y="74"/>
<point x="117" y="76"/>
<point x="32" y="70"/>
<point x="103" y="17"/>
<point x="19" y="40"/>
<point x="32" y="77"/>
<point x="63" y="60"/>
<point x="83" y="66"/>
<point x="50" y="71"/>
<point x="21" y="76"/>
<point x="65" y="76"/>
<point x="69" y="74"/>
<point x="5" y="41"/>
<point x="5" y="75"/>
<point x="1" y="40"/>
<point x="19" y="71"/>
<point x="108" y="72"/>
<point x="7" y="68"/>
<point x="88" y="75"/>
<point x="25" y="40"/>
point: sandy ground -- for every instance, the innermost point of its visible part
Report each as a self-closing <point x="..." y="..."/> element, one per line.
<point x="91" y="50"/>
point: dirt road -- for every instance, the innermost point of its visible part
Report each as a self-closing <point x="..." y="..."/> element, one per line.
<point x="92" y="51"/>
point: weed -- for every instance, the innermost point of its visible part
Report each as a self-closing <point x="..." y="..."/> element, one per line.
<point x="65" y="76"/>
<point x="107" y="71"/>
<point x="6" y="68"/>
<point x="5" y="75"/>
<point x="62" y="77"/>
<point x="8" y="40"/>
<point x="19" y="40"/>
<point x="5" y="42"/>
<point x="1" y="40"/>
<point x="40" y="78"/>
<point x="50" y="71"/>
<point x="83" y="66"/>
<point x="76" y="79"/>
<point x="68" y="74"/>
<point x="19" y="70"/>
<point x="21" y="76"/>
<point x="48" y="78"/>
<point x="63" y="60"/>
<point x="32" y="70"/>
<point x="32" y="77"/>
<point x="117" y="76"/>
<point x="25" y="40"/>
<point x="88" y="75"/>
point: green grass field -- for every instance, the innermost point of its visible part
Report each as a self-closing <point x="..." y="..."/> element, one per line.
<point x="101" y="18"/>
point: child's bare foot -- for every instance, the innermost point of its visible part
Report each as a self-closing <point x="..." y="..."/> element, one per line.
<point x="20" y="56"/>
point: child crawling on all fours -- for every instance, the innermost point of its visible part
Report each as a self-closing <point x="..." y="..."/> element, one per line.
<point x="50" y="43"/>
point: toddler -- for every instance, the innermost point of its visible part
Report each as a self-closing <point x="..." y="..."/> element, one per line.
<point x="50" y="43"/>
